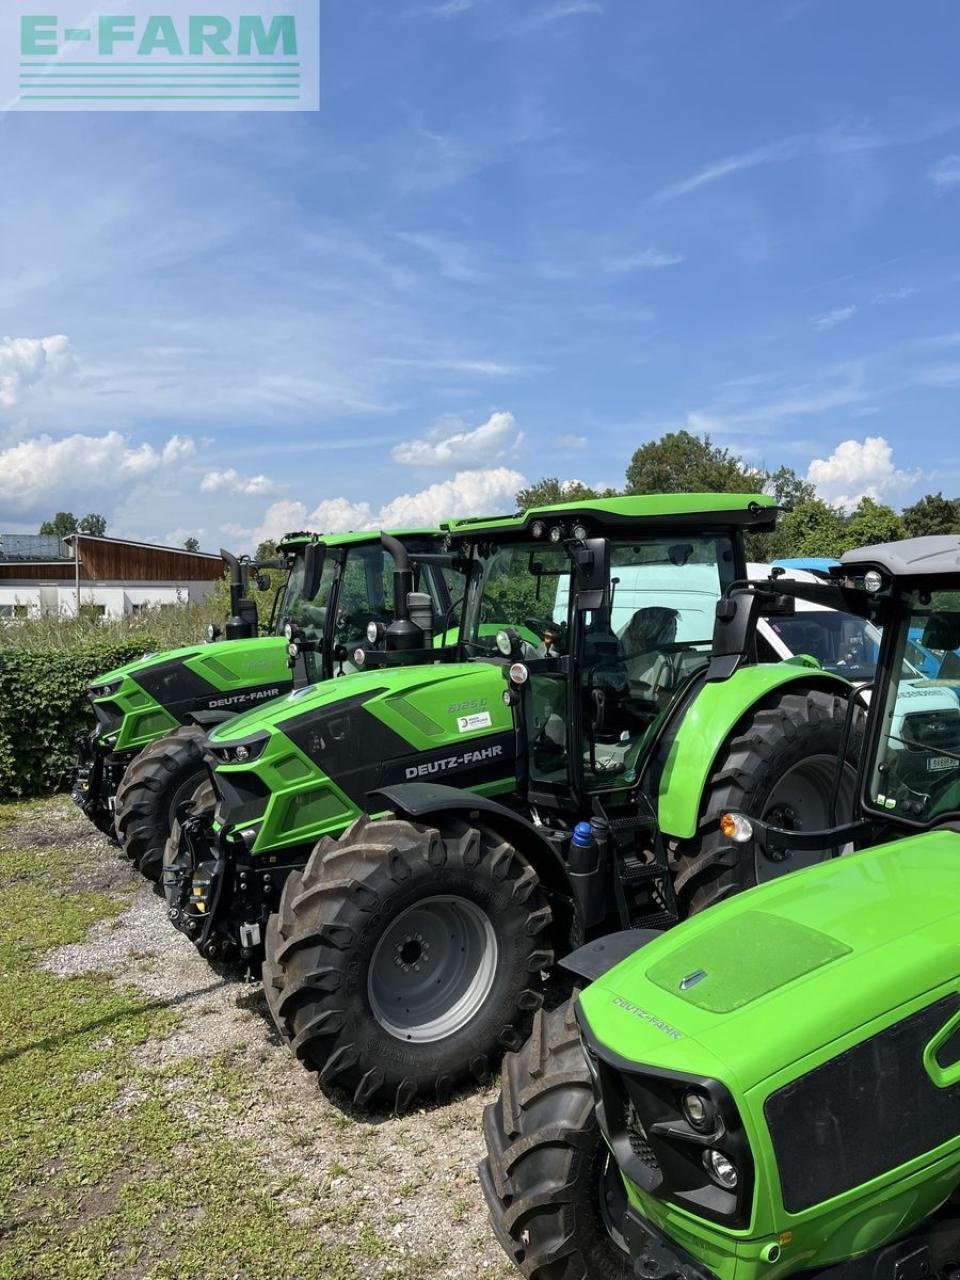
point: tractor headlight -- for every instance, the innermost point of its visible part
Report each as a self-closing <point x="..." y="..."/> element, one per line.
<point x="556" y="533"/>
<point x="698" y="1111"/>
<point x="580" y="532"/>
<point x="289" y="630"/>
<point x="538" y="528"/>
<point x="721" y="1169"/>
<point x="518" y="673"/>
<point x="375" y="632"/>
<point x="106" y="690"/>
<point x="240" y="752"/>
<point x="872" y="580"/>
<point x="504" y="644"/>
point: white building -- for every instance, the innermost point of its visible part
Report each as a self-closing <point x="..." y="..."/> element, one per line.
<point x="106" y="577"/>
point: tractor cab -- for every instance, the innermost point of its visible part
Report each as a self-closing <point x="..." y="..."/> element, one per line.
<point x="909" y="768"/>
<point x="618" y="611"/>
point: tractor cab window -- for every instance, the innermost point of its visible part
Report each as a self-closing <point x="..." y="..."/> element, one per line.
<point x="309" y="615"/>
<point x="841" y="642"/>
<point x="366" y="594"/>
<point x="916" y="773"/>
<point x="640" y="649"/>
<point x="524" y="586"/>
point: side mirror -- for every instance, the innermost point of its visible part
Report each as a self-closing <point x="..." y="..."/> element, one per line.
<point x="591" y="572"/>
<point x="313" y="558"/>
<point x="263" y="581"/>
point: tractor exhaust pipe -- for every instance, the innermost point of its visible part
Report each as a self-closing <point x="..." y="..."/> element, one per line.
<point x="241" y="624"/>
<point x="402" y="633"/>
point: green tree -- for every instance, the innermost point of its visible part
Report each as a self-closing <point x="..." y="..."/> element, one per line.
<point x="683" y="463"/>
<point x="788" y="488"/>
<point x="870" y="523"/>
<point x="191" y="544"/>
<point x="62" y="524"/>
<point x="93" y="524"/>
<point x="266" y="550"/>
<point x="933" y="513"/>
<point x="812" y="528"/>
<point x="550" y="491"/>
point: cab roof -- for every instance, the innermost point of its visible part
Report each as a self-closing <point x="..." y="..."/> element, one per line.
<point x="750" y="510"/>
<point x="935" y="556"/>
<point x="291" y="540"/>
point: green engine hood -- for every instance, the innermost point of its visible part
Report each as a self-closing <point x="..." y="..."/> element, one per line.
<point x="427" y="698"/>
<point x="778" y="973"/>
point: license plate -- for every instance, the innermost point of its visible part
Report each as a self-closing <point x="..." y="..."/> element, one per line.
<point x="937" y="764"/>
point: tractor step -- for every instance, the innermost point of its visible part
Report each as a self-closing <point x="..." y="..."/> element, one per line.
<point x="645" y="893"/>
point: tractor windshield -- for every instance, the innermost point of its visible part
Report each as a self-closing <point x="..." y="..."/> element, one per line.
<point x="916" y="773"/>
<point x="308" y="615"/>
<point x="525" y="586"/>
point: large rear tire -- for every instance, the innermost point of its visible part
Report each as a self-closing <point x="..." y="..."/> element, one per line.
<point x="405" y="959"/>
<point x="555" y="1196"/>
<point x="157" y="782"/>
<point x="779" y="765"/>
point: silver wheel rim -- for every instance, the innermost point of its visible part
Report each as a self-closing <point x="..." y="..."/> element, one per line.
<point x="800" y="801"/>
<point x="432" y="969"/>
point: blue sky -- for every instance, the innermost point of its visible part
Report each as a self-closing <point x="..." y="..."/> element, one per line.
<point x="519" y="238"/>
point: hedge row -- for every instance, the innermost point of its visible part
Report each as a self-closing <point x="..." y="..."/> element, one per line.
<point x="43" y="707"/>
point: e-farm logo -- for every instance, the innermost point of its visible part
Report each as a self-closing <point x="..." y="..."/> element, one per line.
<point x="179" y="55"/>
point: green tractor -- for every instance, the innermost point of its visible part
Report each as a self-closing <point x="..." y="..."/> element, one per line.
<point x="773" y="1087"/>
<point x="143" y="758"/>
<point x="409" y="925"/>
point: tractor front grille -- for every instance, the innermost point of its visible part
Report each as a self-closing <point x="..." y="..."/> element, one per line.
<point x="865" y="1112"/>
<point x="109" y="717"/>
<point x="241" y="796"/>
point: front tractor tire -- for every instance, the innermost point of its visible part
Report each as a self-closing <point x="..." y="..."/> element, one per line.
<point x="164" y="775"/>
<point x="778" y="765"/>
<point x="555" y="1196"/>
<point x="405" y="959"/>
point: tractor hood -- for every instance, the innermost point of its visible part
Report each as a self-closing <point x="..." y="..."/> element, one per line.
<point x="426" y="696"/>
<point x="775" y="975"/>
<point x="148" y="660"/>
<point x="308" y="763"/>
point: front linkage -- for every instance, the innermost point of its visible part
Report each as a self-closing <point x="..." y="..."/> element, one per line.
<point x="94" y="779"/>
<point x="219" y="898"/>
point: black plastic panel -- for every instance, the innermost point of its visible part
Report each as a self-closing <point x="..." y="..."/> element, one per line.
<point x="863" y="1113"/>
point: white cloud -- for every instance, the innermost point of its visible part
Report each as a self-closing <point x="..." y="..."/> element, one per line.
<point x="831" y="319"/>
<point x="45" y="472"/>
<point x="724" y="168"/>
<point x="454" y="261"/>
<point x="645" y="260"/>
<point x="946" y="173"/>
<point x="230" y="481"/>
<point x="571" y="442"/>
<point x="29" y="362"/>
<point x="468" y="493"/>
<point x="492" y="441"/>
<point x="177" y="537"/>
<point x="858" y="469"/>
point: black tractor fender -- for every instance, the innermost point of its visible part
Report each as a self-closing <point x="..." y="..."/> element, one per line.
<point x="419" y="800"/>
<point x="596" y="958"/>
<point x="209" y="719"/>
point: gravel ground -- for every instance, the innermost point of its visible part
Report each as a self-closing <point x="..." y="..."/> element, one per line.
<point x="412" y="1179"/>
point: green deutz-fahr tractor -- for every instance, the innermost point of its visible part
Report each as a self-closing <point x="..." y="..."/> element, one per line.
<point x="414" y="922"/>
<point x="773" y="1087"/>
<point x="143" y="757"/>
